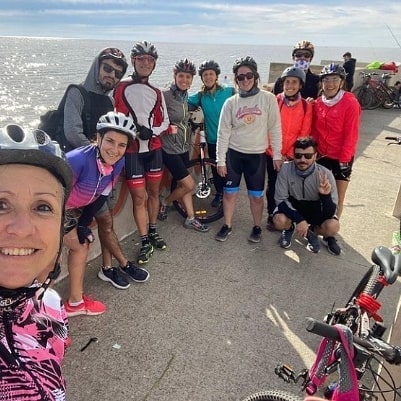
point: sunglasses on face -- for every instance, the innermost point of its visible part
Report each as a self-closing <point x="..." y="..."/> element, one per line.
<point x="109" y="69"/>
<point x="248" y="76"/>
<point x="302" y="54"/>
<point x="147" y="58"/>
<point x="307" y="156"/>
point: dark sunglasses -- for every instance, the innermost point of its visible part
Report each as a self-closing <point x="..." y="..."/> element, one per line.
<point x="109" y="69"/>
<point x="249" y="75"/>
<point x="303" y="54"/>
<point x="307" y="156"/>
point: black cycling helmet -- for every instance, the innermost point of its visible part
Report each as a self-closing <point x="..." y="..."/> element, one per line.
<point x="36" y="149"/>
<point x="209" y="65"/>
<point x="112" y="53"/>
<point x="142" y="48"/>
<point x="245" y="61"/>
<point x="118" y="122"/>
<point x="294" y="72"/>
<point x="304" y="45"/>
<point x="185" y="65"/>
<point x="333" y="69"/>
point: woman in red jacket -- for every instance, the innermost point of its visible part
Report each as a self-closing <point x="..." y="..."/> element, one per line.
<point x="336" y="122"/>
<point x="296" y="121"/>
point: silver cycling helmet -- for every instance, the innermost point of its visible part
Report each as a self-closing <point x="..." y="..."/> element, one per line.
<point x="142" y="48"/>
<point x="333" y="69"/>
<point x="35" y="148"/>
<point x="209" y="65"/>
<point x="185" y="65"/>
<point x="294" y="72"/>
<point x="118" y="122"/>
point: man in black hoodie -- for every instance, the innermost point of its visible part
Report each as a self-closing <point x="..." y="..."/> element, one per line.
<point x="349" y="67"/>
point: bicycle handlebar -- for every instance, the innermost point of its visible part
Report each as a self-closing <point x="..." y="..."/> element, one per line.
<point x="391" y="353"/>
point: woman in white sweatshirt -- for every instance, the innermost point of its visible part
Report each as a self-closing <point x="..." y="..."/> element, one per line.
<point x="247" y="121"/>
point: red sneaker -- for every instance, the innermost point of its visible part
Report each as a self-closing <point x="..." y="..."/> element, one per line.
<point x="89" y="307"/>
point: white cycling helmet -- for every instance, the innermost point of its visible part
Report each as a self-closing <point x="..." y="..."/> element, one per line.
<point x="118" y="122"/>
<point x="35" y="148"/>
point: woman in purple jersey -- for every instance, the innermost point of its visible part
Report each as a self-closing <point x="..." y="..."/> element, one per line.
<point x="96" y="168"/>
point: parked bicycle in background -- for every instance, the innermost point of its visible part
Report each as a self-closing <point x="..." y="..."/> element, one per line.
<point x="374" y="93"/>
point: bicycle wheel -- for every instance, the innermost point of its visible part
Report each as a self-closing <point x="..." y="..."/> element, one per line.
<point x="388" y="102"/>
<point x="364" y="96"/>
<point x="273" y="395"/>
<point x="377" y="382"/>
<point x="376" y="100"/>
<point x="203" y="193"/>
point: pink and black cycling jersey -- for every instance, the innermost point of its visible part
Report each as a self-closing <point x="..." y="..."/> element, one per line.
<point x="32" y="343"/>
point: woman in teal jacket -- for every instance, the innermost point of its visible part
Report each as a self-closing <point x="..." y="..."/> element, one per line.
<point x="211" y="98"/>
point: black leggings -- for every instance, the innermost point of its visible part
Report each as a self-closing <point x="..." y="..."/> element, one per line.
<point x="271" y="184"/>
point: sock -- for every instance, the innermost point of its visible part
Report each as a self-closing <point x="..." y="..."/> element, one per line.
<point x="76" y="303"/>
<point x="145" y="239"/>
<point x="106" y="267"/>
<point x="152" y="228"/>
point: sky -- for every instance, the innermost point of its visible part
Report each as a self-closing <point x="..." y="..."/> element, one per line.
<point x="342" y="23"/>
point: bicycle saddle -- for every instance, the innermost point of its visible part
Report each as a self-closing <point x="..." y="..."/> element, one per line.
<point x="389" y="263"/>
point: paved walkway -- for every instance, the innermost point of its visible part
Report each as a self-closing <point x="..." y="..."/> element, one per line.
<point x="215" y="318"/>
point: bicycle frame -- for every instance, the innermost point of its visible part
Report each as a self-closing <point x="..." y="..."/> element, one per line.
<point x="369" y="348"/>
<point x="201" y="170"/>
<point x="204" y="188"/>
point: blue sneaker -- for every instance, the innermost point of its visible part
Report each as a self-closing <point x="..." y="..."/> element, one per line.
<point x="135" y="273"/>
<point x="286" y="237"/>
<point x="332" y="245"/>
<point x="313" y="242"/>
<point x="113" y="277"/>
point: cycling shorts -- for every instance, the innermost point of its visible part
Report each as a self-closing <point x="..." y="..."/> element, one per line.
<point x="141" y="166"/>
<point x="111" y="201"/>
<point x="252" y="166"/>
<point x="177" y="164"/>
<point x="334" y="166"/>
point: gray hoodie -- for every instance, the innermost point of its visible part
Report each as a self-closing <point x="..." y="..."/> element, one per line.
<point x="73" y="126"/>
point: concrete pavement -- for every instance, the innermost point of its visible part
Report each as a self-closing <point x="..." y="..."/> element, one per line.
<point x="214" y="319"/>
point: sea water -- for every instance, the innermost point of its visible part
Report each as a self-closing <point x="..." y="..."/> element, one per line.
<point x="36" y="71"/>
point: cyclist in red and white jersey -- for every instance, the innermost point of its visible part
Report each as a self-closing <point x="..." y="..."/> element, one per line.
<point x="136" y="97"/>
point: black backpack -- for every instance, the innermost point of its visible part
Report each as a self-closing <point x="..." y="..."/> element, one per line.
<point x="52" y="122"/>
